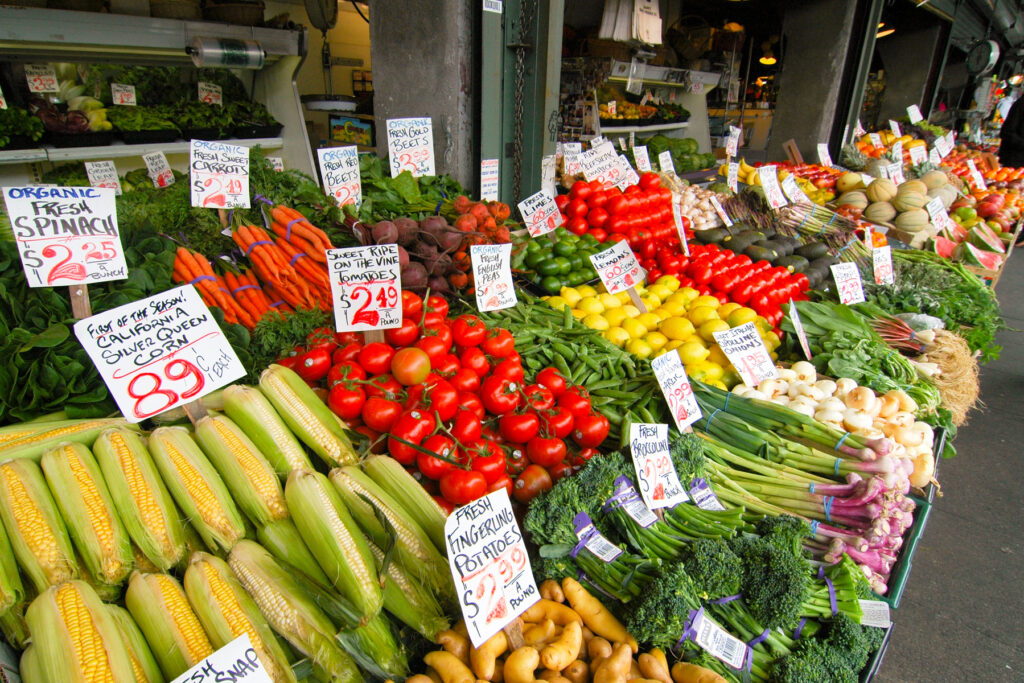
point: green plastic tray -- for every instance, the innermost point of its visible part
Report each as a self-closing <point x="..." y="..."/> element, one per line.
<point x="901" y="570"/>
<point x="869" y="671"/>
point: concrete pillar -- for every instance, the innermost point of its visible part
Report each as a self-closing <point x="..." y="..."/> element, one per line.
<point x="424" y="64"/>
<point x="817" y="35"/>
<point x="909" y="60"/>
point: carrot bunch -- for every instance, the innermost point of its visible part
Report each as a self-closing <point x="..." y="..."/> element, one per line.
<point x="239" y="297"/>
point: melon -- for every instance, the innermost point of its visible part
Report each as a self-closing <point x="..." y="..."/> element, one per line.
<point x="878" y="211"/>
<point x="934" y="179"/>
<point x="943" y="247"/>
<point x="906" y="201"/>
<point x="915" y="186"/>
<point x="855" y="198"/>
<point x="849" y="181"/>
<point x="970" y="255"/>
<point x="955" y="232"/>
<point x="914" y="220"/>
<point x="982" y="237"/>
<point x="881" y="190"/>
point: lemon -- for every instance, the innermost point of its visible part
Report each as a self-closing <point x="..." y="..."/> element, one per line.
<point x="677" y="328"/>
<point x="650" y="302"/>
<point x="701" y="314"/>
<point x="570" y="294"/>
<point x="615" y="316"/>
<point x="624" y="297"/>
<point x="659" y="352"/>
<point x="726" y="309"/>
<point x="578" y="314"/>
<point x="616" y="335"/>
<point x="692" y="352"/>
<point x="707" y="330"/>
<point x="689" y="293"/>
<point x="705" y="371"/>
<point x="648" y="320"/>
<point x="660" y="291"/>
<point x="634" y="327"/>
<point x="558" y="303"/>
<point x="716" y="355"/>
<point x="740" y="316"/>
<point x="590" y="304"/>
<point x="719" y="384"/>
<point x="762" y="324"/>
<point x="638" y="347"/>
<point x="631" y="310"/>
<point x="656" y="339"/>
<point x="586" y="290"/>
<point x="771" y="340"/>
<point x="596" y="321"/>
<point x="705" y="300"/>
<point x="671" y="308"/>
<point x="669" y="281"/>
<point x="609" y="301"/>
<point x="672" y="345"/>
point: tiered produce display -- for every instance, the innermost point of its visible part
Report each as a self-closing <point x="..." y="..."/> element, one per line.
<point x="308" y="505"/>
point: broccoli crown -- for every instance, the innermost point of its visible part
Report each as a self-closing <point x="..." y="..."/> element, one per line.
<point x="851" y="641"/>
<point x="658" y="616"/>
<point x="687" y="453"/>
<point x="549" y="518"/>
<point x="775" y="579"/>
<point x="812" y="661"/>
<point x="787" y="531"/>
<point x="715" y="569"/>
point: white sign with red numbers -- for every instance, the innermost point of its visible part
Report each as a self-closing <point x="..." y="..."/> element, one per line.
<point x="339" y="168"/>
<point x="746" y="351"/>
<point x="848" y="283"/>
<point x="881" y="260"/>
<point x="219" y="175"/>
<point x="675" y="385"/>
<point x="159" y="170"/>
<point x="769" y="178"/>
<point x="656" y="475"/>
<point x="210" y="93"/>
<point x="41" y="78"/>
<point x="366" y="287"/>
<point x="411" y="146"/>
<point x="540" y="214"/>
<point x="618" y="268"/>
<point x="103" y="174"/>
<point x="122" y="94"/>
<point x="824" y="158"/>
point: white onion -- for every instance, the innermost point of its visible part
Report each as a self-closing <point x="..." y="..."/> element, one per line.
<point x="805" y="371"/>
<point x="844" y="385"/>
<point x="832" y="417"/>
<point x="831" y="403"/>
<point x="803" y="408"/>
<point x="827" y="386"/>
<point x="854" y="420"/>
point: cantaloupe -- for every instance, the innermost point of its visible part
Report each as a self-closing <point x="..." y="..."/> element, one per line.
<point x="909" y="200"/>
<point x="914" y="220"/>
<point x="849" y="181"/>
<point x="934" y="179"/>
<point x="881" y="190"/>
<point x="853" y="198"/>
<point x="880" y="212"/>
<point x="914" y="185"/>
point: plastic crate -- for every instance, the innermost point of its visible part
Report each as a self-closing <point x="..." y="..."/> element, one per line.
<point x="901" y="570"/>
<point x="867" y="674"/>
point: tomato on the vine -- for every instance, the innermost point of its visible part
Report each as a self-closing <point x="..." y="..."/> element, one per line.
<point x="433" y="466"/>
<point x="411" y="428"/>
<point x="531" y="481"/>
<point x="519" y="427"/>
<point x="471" y="402"/>
<point x="376" y="357"/>
<point x="557" y="422"/>
<point x="468" y="330"/>
<point x="509" y="369"/>
<point x="488" y="460"/>
<point x="443" y="398"/>
<point x="465" y="379"/>
<point x="476" y="360"/>
<point x="460" y="486"/>
<point x="434" y="346"/>
<point x="385" y="386"/>
<point x="437" y="304"/>
<point x="448" y="366"/>
<point x="499" y="343"/>
<point x="412" y="305"/>
<point x="404" y="335"/>
<point x="559" y="471"/>
<point x="499" y="395"/>
<point x="380" y="413"/>
<point x="345" y="371"/>
<point x="553" y="379"/>
<point x="576" y="400"/>
<point x="346" y="401"/>
<point x="590" y="430"/>
<point x="502" y="482"/>
<point x="466" y="427"/>
<point x="545" y="451"/>
<point x="346" y="353"/>
<point x="410" y="366"/>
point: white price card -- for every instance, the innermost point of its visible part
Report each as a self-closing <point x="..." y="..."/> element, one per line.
<point x="704" y="496"/>
<point x="746" y="351"/>
<point x="733" y="177"/>
<point x="944" y="146"/>
<point x="897" y="151"/>
<point x="492" y="276"/>
<point x="677" y="218"/>
<point x="770" y="182"/>
<point x="160" y="352"/>
<point x="881" y="259"/>
<point x="103" y="174"/>
<point x="366" y="287"/>
<point x="876" y="139"/>
<point x="618" y="268"/>
<point x="632" y="140"/>
<point x="540" y="214"/>
<point x="848" y="283"/>
<point x="489" y="564"/>
<point x="626" y="497"/>
<point x="868" y="179"/>
<point x="339" y="168"/>
<point x="976" y="179"/>
<point x="571" y="163"/>
<point x="489" y="180"/>
<point x="798" y="326"/>
<point x="613" y="107"/>
<point x="572" y="147"/>
<point x="123" y="95"/>
<point x="210" y="93"/>
<point x="158" y="169"/>
<point x="220" y="175"/>
<point x="3" y="100"/>
<point x="548" y="171"/>
<point x="493" y="6"/>
<point x="642" y="158"/>
<point x="732" y="142"/>
<point x="655" y="473"/>
<point x="895" y="172"/>
<point x="622" y="144"/>
<point x="914" y="114"/>
<point x="918" y="154"/>
<point x="592" y="539"/>
<point x="718" y="642"/>
<point x="675" y="385"/>
<point x="601" y="166"/>
<point x="629" y="176"/>
<point x="717" y="206"/>
<point x="895" y="128"/>
<point x="875" y="613"/>
<point x="933" y="156"/>
<point x="824" y="158"/>
<point x="276" y="163"/>
<point x="937" y="212"/>
<point x="411" y="146"/>
<point x="793" y="192"/>
<point x="858" y="130"/>
<point x="41" y="78"/>
<point x="66" y="235"/>
<point x="665" y="162"/>
<point x="237" y="662"/>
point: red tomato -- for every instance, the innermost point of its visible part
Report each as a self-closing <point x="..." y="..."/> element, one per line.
<point x="437" y="304"/>
<point x="557" y="422"/>
<point x="577" y="208"/>
<point x="346" y="402"/>
<point x="410" y="366"/>
<point x="599" y="234"/>
<point x="519" y="427"/>
<point x="499" y="395"/>
<point x="466" y="427"/>
<point x="468" y="330"/>
<point x="618" y="224"/>
<point x="560" y="471"/>
<point x="430" y="320"/>
<point x="530" y="482"/>
<point x="465" y="379"/>
<point x="475" y="359"/>
<point x="346" y="353"/>
<point x="499" y="343"/>
<point x="553" y="379"/>
<point x="516" y="461"/>
<point x="411" y="427"/>
<point x="412" y="305"/>
<point x="576" y="400"/>
<point x="561" y="201"/>
<point x="444" y="505"/>
<point x="345" y="371"/>
<point x="489" y="461"/>
<point x="546" y="452"/>
<point x="509" y="369"/>
<point x="580" y="191"/>
<point x="617" y="205"/>
<point x="590" y="430"/>
<point x="580" y="459"/>
<point x="385" y="386"/>
<point x="538" y="398"/>
<point x="460" y="486"/>
<point x="502" y="482"/>
<point x="433" y="346"/>
<point x="377" y="445"/>
<point x="433" y="466"/>
<point x="597" y="217"/>
<point x="448" y="366"/>
<point x="376" y="357"/>
<point x="380" y="413"/>
<point x="472" y="403"/>
<point x="577" y="226"/>
<point x="443" y="398"/>
<point x="404" y="335"/>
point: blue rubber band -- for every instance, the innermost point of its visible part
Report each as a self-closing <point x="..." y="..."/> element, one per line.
<point x="201" y="278"/>
<point x="845" y="247"/>
<point x="277" y="303"/>
<point x="803" y="221"/>
<point x="829" y="500"/>
<point x="834" y="216"/>
<point x="812" y="488"/>
<point x="725" y="407"/>
<point x="717" y="411"/>
<point x="295" y="258"/>
<point x="831" y="590"/>
<point x="799" y="629"/>
<point x="437" y="209"/>
<point x="840" y="442"/>
<point x="814" y="526"/>
<point x="288" y="228"/>
<point x="256" y="244"/>
<point x="688" y="630"/>
<point x="231" y="214"/>
<point x="236" y="290"/>
<point x="728" y="598"/>
<point x="261" y="198"/>
<point x="839" y="461"/>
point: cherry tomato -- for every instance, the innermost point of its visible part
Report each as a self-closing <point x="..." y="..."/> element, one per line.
<point x="433" y="346"/>
<point x="460" y="486"/>
<point x="448" y="366"/>
<point x="545" y="451"/>
<point x="576" y="400"/>
<point x="465" y="379"/>
<point x="345" y="371"/>
<point x="577" y="208"/>
<point x="502" y="482"/>
<point x="516" y="461"/>
<point x="466" y="427"/>
<point x="411" y="427"/>
<point x="404" y="335"/>
<point x="412" y="305"/>
<point x="499" y="395"/>
<point x="499" y="343"/>
<point x="560" y="471"/>
<point x="432" y="466"/>
<point x="476" y="360"/>
<point x="509" y="369"/>
<point x="557" y="422"/>
<point x="530" y="482"/>
<point x="538" y="398"/>
<point x="468" y="330"/>
<point x="472" y="403"/>
<point x="519" y="427"/>
<point x="376" y="357"/>
<point x="437" y="304"/>
<point x="346" y="402"/>
<point x="553" y="379"/>
<point x="489" y="461"/>
<point x="384" y="386"/>
<point x="380" y="413"/>
<point x="443" y="398"/>
<point x="590" y="430"/>
<point x="347" y="352"/>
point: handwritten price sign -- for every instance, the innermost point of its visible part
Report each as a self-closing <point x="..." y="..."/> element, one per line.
<point x="159" y="353"/>
<point x="848" y="283"/>
<point x="976" y="179"/>
<point x="237" y="661"/>
<point x="103" y="174"/>
<point x="618" y="268"/>
<point x="540" y="214"/>
<point x="937" y="212"/>
<point x="492" y="276"/>
<point x="629" y="176"/>
<point x="793" y="191"/>
<point x="66" y="235"/>
<point x="655" y="473"/>
<point x="677" y="218"/>
<point x="3" y="100"/>
<point x="895" y="128"/>
<point x="600" y="165"/>
<point x="489" y="179"/>
<point x="823" y="155"/>
<point x="769" y="178"/>
<point x="746" y="351"/>
<point x="668" y="369"/>
<point x="944" y="146"/>
<point x="732" y="143"/>
<point x="158" y="169"/>
<point x="876" y="139"/>
<point x="918" y="154"/>
<point x="210" y="93"/>
<point x="41" y="78"/>
<point x="276" y="163"/>
<point x="665" y="162"/>
<point x="411" y="146"/>
<point x="642" y="158"/>
<point x="220" y="175"/>
<point x="366" y="287"/>
<point x="733" y="177"/>
<point x="339" y="168"/>
<point x="798" y="325"/>
<point x="488" y="560"/>
<point x="881" y="259"/>
<point x="123" y="95"/>
<point x="914" y="113"/>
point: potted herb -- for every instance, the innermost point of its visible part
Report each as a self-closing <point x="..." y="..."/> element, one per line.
<point x="18" y="128"/>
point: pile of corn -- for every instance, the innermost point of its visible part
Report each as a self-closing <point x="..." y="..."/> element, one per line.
<point x="144" y="553"/>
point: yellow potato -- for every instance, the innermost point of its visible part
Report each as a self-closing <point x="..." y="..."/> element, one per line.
<point x="595" y="615"/>
<point x="550" y="590"/>
<point x="615" y="669"/>
<point x="455" y="643"/>
<point x="520" y="665"/>
<point x="540" y="634"/>
<point x="481" y="659"/>
<point x="562" y="652"/>
<point x="549" y="609"/>
<point x="449" y="667"/>
<point x="577" y="672"/>
<point x="652" y="668"/>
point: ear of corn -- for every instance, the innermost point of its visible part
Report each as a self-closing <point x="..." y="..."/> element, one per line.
<point x="108" y="592"/>
<point x="413" y="549"/>
<point x="88" y="510"/>
<point x="375" y="649"/>
<point x="197" y="487"/>
<point x="160" y="608"/>
<point x="334" y="539"/>
<point x="251" y="411"/>
<point x="419" y="505"/>
<point x="285" y="543"/>
<point x="13" y="626"/>
<point x="52" y="434"/>
<point x="408" y="600"/>
<point x="226" y="612"/>
<point x="143" y="663"/>
<point x="307" y="416"/>
<point x="11" y="589"/>
<point x="77" y="639"/>
<point x="142" y="501"/>
<point x="35" y="529"/>
<point x="290" y="611"/>
<point x="211" y="401"/>
<point x="249" y="476"/>
<point x="29" y="667"/>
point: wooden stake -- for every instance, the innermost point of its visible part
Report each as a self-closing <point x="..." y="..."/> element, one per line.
<point x="223" y="215"/>
<point x="80" y="306"/>
<point x="373" y="336"/>
<point x="635" y="298"/>
<point x="514" y="635"/>
<point x="792" y="151"/>
<point x="195" y="410"/>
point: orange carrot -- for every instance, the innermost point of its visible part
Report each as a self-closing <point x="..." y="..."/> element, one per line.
<point x="300" y="225"/>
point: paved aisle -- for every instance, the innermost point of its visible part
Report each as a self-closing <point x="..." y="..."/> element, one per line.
<point x="962" y="614"/>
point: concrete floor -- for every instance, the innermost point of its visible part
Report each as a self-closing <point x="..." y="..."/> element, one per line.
<point x="960" y="618"/>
